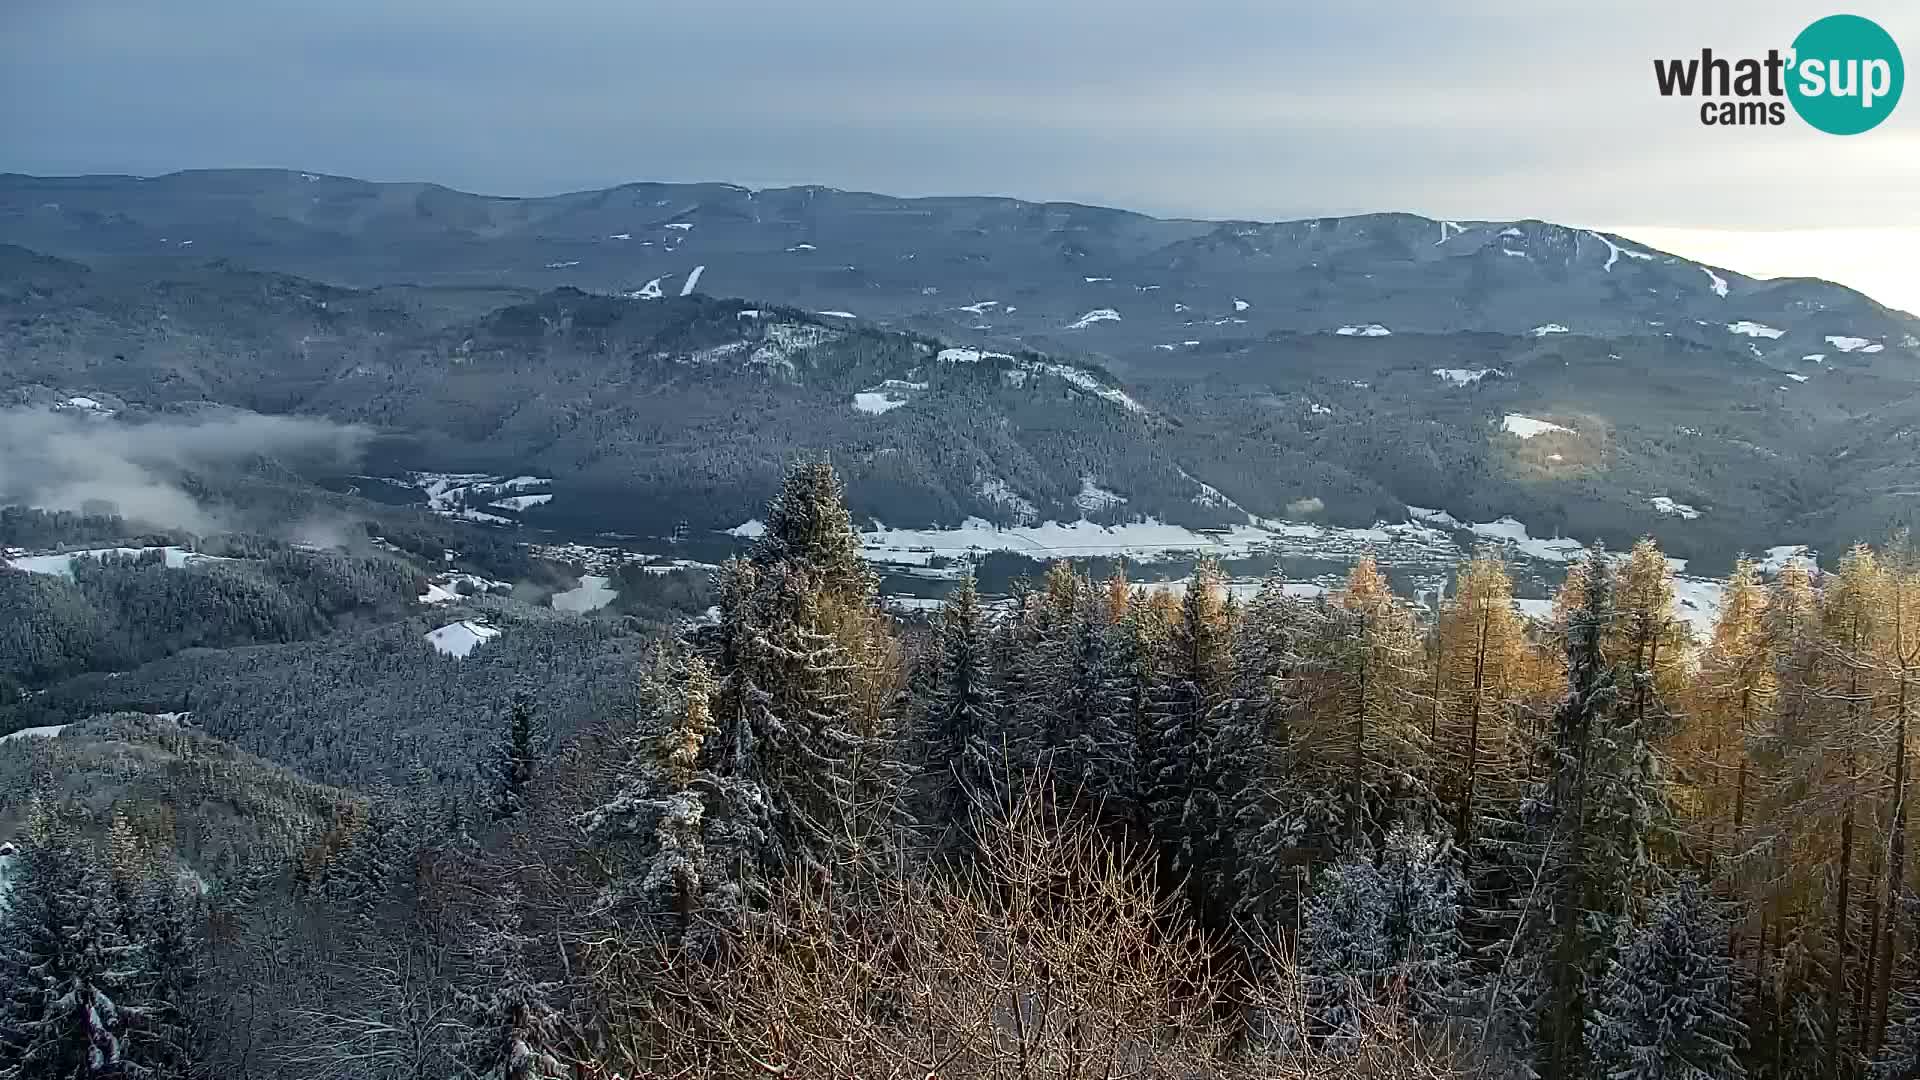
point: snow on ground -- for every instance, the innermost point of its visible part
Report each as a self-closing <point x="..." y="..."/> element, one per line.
<point x="683" y="226"/>
<point x="521" y="502"/>
<point x="1434" y="517"/>
<point x="1853" y="344"/>
<point x="1667" y="507"/>
<point x="838" y="314"/>
<point x="1698" y="601"/>
<point x="563" y="265"/>
<point x="1105" y="314"/>
<point x="967" y="356"/>
<point x="1372" y="329"/>
<point x="61" y="565"/>
<point x="876" y="404"/>
<point x="1818" y="357"/>
<point x="592" y="594"/>
<point x="693" y="279"/>
<point x="1085" y="381"/>
<point x="1318" y="409"/>
<point x="1753" y="329"/>
<point x="1614" y="251"/>
<point x="445" y="588"/>
<point x="979" y="308"/>
<point x="802" y="247"/>
<point x="1512" y="532"/>
<point x="1535" y="609"/>
<point x="1001" y="494"/>
<point x="1148" y="540"/>
<point x="34" y="733"/>
<point x="1796" y="378"/>
<point x="1240" y="305"/>
<point x="1094" y="498"/>
<point x="649" y="291"/>
<point x="1777" y="558"/>
<point x="1444" y="226"/>
<point x="1210" y="496"/>
<point x="1097" y="280"/>
<point x="1526" y="427"/>
<point x="1719" y="283"/>
<point x="1548" y="328"/>
<point x="461" y="638"/>
<point x="1465" y="376"/>
<point x="82" y="403"/>
<point x="620" y="236"/>
<point x="1511" y="231"/>
<point x="748" y="530"/>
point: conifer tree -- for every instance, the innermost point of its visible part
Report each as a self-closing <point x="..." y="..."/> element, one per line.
<point x="1186" y="812"/>
<point x="68" y="973"/>
<point x="1344" y="955"/>
<point x="963" y="733"/>
<point x="515" y="759"/>
<point x="1664" y="1010"/>
<point x="1426" y="956"/>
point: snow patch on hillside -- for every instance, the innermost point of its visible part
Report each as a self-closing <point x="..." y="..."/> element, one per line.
<point x="1668" y="508"/>
<point x="1853" y="344"/>
<point x="650" y="291"/>
<point x="1754" y="329"/>
<point x="1718" y="283"/>
<point x="1434" y="516"/>
<point x="593" y="593"/>
<point x="1513" y="533"/>
<point x="693" y="279"/>
<point x="47" y="732"/>
<point x="1364" y="330"/>
<point x="460" y="639"/>
<point x="521" y="502"/>
<point x="1096" y="315"/>
<point x="876" y="404"/>
<point x="751" y="529"/>
<point x="1526" y="427"/>
<point x="1465" y="376"/>
<point x="61" y="564"/>
<point x="1000" y="493"/>
<point x="1240" y="305"/>
<point x="1093" y="498"/>
<point x="1549" y="328"/>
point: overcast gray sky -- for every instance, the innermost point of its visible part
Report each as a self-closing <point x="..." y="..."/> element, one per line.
<point x="1215" y="108"/>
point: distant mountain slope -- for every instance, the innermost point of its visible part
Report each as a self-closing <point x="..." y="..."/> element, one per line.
<point x="1010" y="271"/>
<point x="1335" y="369"/>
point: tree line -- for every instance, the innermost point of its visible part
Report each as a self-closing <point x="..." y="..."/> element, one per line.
<point x="1103" y="830"/>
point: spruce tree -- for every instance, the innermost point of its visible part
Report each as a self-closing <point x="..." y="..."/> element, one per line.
<point x="68" y="973"/>
<point x="962" y="723"/>
<point x="1664" y="1010"/>
<point x="514" y="760"/>
<point x="1344" y="954"/>
<point x="1426" y="956"/>
<point x="1186" y="811"/>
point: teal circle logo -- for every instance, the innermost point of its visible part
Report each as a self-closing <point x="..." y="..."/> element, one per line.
<point x="1846" y="75"/>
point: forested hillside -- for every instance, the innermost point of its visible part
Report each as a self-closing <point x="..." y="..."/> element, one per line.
<point x="1096" y="830"/>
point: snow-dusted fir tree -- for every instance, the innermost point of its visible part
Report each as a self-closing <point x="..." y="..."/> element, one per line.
<point x="805" y="740"/>
<point x="1344" y="954"/>
<point x="511" y="769"/>
<point x="1185" y="810"/>
<point x="661" y="805"/>
<point x="1097" y="760"/>
<point x="511" y="1030"/>
<point x="1267" y="829"/>
<point x="68" y="972"/>
<point x="1421" y="880"/>
<point x="1664" y="1010"/>
<point x="962" y="721"/>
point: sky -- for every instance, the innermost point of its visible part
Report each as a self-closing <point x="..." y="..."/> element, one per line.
<point x="1265" y="109"/>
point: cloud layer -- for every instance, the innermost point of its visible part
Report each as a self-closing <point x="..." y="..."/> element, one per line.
<point x="70" y="461"/>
